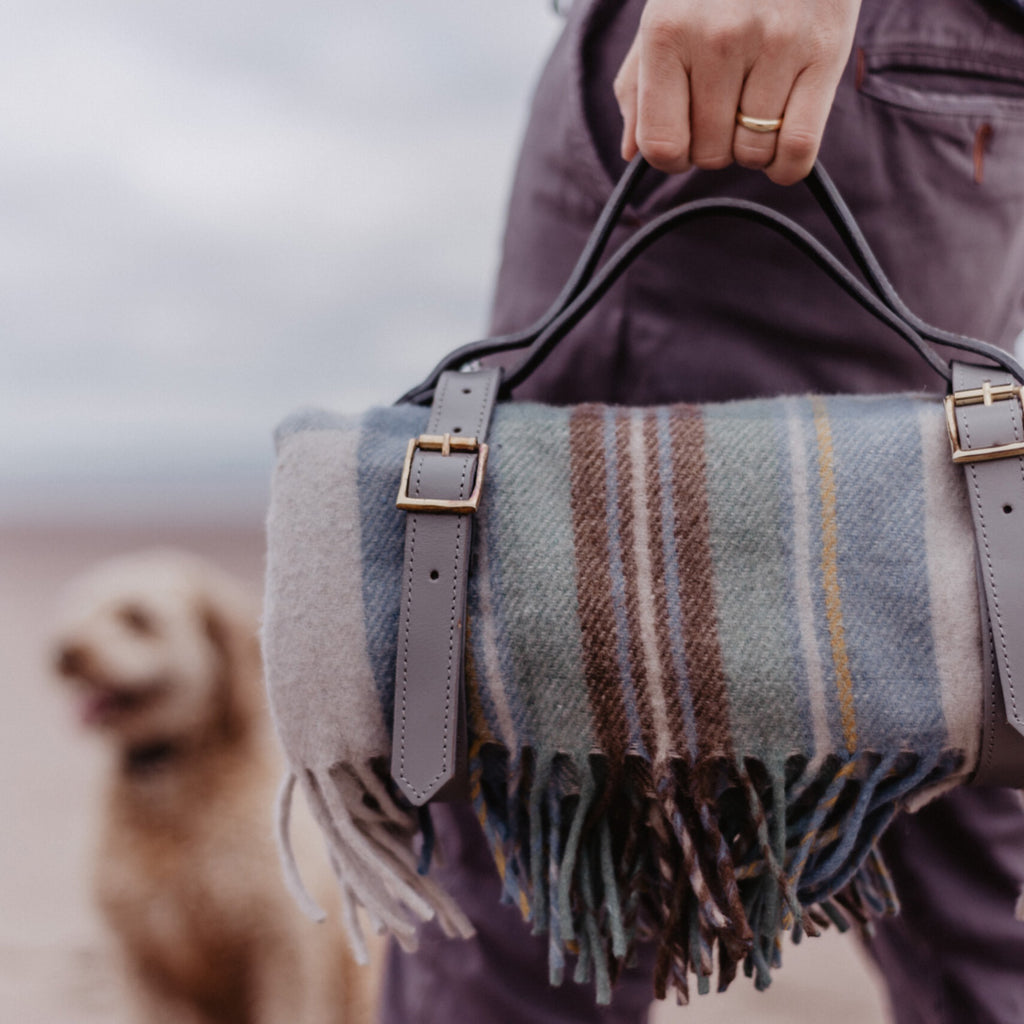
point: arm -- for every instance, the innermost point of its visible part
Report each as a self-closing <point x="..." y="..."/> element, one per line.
<point x="694" y="63"/>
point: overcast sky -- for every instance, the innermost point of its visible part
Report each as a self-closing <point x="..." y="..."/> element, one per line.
<point x="212" y="212"/>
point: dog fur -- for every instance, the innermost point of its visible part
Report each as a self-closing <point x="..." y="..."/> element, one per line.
<point x="161" y="651"/>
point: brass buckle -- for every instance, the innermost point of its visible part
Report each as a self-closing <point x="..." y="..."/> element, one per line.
<point x="985" y="395"/>
<point x="445" y="444"/>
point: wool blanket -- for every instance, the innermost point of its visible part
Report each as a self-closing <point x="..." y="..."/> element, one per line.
<point x="711" y="652"/>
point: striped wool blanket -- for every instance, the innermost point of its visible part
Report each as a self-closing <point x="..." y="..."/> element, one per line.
<point x="711" y="651"/>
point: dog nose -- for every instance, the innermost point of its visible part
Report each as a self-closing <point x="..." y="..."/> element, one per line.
<point x="71" y="659"/>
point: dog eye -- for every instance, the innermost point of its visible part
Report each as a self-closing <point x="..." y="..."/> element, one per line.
<point x="137" y="620"/>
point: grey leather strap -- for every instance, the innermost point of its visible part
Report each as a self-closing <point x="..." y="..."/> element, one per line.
<point x="1001" y="757"/>
<point x="987" y="431"/>
<point x="429" y="740"/>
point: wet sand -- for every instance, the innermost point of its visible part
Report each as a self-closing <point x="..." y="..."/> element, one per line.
<point x="54" y="963"/>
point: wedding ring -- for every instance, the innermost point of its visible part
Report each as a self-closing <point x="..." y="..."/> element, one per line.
<point x="758" y="124"/>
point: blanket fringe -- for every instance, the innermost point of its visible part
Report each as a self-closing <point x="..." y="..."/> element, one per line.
<point x="716" y="856"/>
<point x="714" y="861"/>
<point x="292" y="878"/>
<point x="369" y="839"/>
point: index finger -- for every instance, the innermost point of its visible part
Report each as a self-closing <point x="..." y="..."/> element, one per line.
<point x="663" y="102"/>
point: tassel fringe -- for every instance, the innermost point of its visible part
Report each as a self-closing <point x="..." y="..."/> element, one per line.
<point x="714" y="862"/>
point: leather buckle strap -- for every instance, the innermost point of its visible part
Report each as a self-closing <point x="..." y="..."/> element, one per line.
<point x="1001" y="751"/>
<point x="442" y="481"/>
<point x="986" y="420"/>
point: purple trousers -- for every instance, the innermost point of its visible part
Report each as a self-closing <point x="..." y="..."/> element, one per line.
<point x="926" y="142"/>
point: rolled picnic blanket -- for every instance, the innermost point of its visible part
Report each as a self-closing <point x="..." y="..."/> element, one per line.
<point x="711" y="652"/>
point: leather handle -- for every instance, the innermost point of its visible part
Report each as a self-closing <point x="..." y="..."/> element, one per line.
<point x="698" y="210"/>
<point x="542" y="336"/>
<point x="824" y="190"/>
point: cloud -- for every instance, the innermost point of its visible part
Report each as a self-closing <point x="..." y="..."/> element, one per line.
<point x="210" y="213"/>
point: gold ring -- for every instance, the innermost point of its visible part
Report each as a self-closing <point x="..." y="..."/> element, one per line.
<point x="758" y="124"/>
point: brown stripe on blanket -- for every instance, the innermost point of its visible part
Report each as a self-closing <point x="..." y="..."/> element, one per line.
<point x="593" y="582"/>
<point x="632" y="531"/>
<point x="704" y="663"/>
<point x="670" y="682"/>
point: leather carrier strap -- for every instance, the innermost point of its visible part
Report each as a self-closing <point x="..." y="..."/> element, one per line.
<point x="985" y="413"/>
<point x="589" y="281"/>
<point x="441" y="485"/>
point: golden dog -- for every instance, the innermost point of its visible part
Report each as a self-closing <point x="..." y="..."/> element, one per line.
<point x="161" y="651"/>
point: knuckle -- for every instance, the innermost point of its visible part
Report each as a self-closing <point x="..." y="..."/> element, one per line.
<point x="780" y="36"/>
<point x="666" y="154"/>
<point x="753" y="157"/>
<point x="784" y="171"/>
<point x="714" y="35"/>
<point x="799" y="147"/>
<point x="660" y="29"/>
<point x="713" y="161"/>
<point x="825" y="46"/>
<point x="816" y="52"/>
<point x="812" y="44"/>
<point x="783" y="175"/>
<point x="723" y="38"/>
<point x="827" y="37"/>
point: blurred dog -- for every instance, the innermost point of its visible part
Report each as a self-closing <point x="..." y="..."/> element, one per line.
<point x="160" y="649"/>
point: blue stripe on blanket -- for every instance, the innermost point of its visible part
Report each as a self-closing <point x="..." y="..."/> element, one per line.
<point x="747" y="476"/>
<point x="884" y="572"/>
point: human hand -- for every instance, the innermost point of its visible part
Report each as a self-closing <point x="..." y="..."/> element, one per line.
<point x="695" y="63"/>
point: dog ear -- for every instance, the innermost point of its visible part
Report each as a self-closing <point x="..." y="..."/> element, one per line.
<point x="230" y="623"/>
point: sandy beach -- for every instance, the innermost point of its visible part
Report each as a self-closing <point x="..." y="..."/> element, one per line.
<point x="54" y="966"/>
